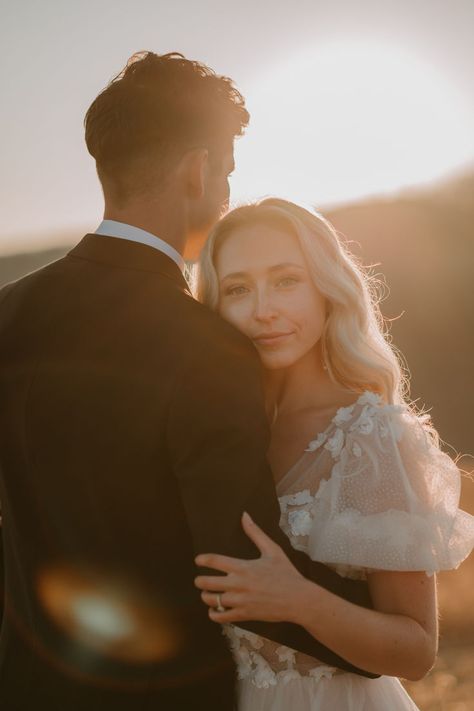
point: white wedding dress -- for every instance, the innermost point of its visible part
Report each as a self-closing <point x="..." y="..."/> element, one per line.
<point x="372" y="492"/>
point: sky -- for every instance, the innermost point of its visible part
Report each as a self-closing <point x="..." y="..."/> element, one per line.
<point x="347" y="99"/>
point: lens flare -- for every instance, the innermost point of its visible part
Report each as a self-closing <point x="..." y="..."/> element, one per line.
<point x="111" y="617"/>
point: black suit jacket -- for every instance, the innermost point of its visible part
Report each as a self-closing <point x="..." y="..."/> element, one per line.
<point x="132" y="436"/>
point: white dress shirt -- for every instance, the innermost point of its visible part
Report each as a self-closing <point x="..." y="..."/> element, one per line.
<point x="112" y="228"/>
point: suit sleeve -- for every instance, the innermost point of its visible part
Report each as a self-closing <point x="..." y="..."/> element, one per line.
<point x="218" y="437"/>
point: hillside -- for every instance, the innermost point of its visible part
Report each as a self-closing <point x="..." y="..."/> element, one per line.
<point x="423" y="244"/>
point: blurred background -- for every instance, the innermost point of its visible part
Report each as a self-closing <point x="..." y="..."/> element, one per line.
<point x="364" y="110"/>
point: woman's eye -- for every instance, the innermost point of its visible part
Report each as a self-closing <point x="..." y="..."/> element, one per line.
<point x="236" y="291"/>
<point x="287" y="281"/>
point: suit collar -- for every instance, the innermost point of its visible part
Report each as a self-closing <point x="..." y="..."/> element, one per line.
<point x="112" y="228"/>
<point x="125" y="254"/>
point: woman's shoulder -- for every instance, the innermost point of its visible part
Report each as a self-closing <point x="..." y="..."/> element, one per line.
<point x="369" y="416"/>
<point x="368" y="405"/>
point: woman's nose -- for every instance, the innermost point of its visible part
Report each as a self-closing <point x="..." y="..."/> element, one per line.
<point x="264" y="308"/>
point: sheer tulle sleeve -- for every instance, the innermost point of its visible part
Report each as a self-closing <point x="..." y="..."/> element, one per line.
<point x="391" y="502"/>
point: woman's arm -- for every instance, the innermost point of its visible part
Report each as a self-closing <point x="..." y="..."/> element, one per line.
<point x="397" y="638"/>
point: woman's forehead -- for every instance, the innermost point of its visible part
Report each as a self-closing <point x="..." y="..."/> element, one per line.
<point x="257" y="247"/>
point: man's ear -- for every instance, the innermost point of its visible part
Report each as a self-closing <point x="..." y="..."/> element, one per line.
<point x="193" y="169"/>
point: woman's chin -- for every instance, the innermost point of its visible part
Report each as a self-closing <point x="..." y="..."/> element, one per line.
<point x="276" y="361"/>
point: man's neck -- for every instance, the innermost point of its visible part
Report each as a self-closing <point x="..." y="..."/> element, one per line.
<point x="165" y="224"/>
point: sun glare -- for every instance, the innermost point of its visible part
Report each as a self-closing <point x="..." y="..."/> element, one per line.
<point x="347" y="120"/>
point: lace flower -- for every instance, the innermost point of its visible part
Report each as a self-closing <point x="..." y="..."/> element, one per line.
<point x="322" y="672"/>
<point x="300" y="522"/>
<point x="365" y="422"/>
<point x="235" y="634"/>
<point x="335" y="443"/>
<point x="285" y="654"/>
<point x="316" y="443"/>
<point x="344" y="414"/>
<point x="370" y="398"/>
<point x="298" y="499"/>
<point x="244" y="662"/>
<point x="264" y="676"/>
<point x="254" y="639"/>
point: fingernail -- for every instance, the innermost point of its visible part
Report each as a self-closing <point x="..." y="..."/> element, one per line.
<point x="248" y="517"/>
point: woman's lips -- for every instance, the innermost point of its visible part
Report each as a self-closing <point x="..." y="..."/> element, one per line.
<point x="271" y="339"/>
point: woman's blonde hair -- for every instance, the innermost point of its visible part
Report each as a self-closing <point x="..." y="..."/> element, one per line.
<point x="355" y="345"/>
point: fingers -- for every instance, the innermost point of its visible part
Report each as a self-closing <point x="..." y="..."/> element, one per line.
<point x="230" y="601"/>
<point x="211" y="599"/>
<point x="219" y="562"/>
<point x="230" y="615"/>
<point x="217" y="583"/>
<point x="227" y="564"/>
<point x="227" y="599"/>
<point x="264" y="544"/>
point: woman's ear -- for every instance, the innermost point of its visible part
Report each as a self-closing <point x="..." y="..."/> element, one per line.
<point x="193" y="170"/>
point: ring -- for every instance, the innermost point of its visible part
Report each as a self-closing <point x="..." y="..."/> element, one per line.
<point x="219" y="607"/>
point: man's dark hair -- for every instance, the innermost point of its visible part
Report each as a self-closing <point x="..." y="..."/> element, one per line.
<point x="158" y="107"/>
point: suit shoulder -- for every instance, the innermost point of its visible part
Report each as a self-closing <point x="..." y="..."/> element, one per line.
<point x="27" y="288"/>
<point x="31" y="277"/>
<point x="6" y="290"/>
<point x="208" y="330"/>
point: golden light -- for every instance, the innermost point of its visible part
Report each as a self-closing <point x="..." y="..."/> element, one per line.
<point x="350" y="119"/>
<point x="109" y="616"/>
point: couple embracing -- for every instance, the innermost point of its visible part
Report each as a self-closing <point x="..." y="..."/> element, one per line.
<point x="220" y="499"/>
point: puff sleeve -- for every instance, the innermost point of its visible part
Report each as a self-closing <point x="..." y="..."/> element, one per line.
<point x="391" y="502"/>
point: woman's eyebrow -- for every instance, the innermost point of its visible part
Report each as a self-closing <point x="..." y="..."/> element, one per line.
<point x="286" y="265"/>
<point x="274" y="268"/>
<point x="234" y="275"/>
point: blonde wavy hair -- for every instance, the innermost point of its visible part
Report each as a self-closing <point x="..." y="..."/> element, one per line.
<point x="356" y="348"/>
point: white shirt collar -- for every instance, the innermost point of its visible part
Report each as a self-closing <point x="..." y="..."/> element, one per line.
<point x="112" y="228"/>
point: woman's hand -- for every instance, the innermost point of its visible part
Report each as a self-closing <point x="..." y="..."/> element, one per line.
<point x="262" y="589"/>
<point x="397" y="638"/>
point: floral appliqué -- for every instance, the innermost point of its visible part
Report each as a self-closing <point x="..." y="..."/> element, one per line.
<point x="298" y="499"/>
<point x="370" y="398"/>
<point x="316" y="443"/>
<point x="344" y="414"/>
<point x="335" y="443"/>
<point x="299" y="520"/>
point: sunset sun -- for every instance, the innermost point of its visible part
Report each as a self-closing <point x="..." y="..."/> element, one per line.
<point x="344" y="120"/>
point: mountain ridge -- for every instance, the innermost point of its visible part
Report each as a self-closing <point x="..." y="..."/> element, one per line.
<point x="422" y="242"/>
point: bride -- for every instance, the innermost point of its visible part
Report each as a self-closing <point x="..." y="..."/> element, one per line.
<point x="362" y="483"/>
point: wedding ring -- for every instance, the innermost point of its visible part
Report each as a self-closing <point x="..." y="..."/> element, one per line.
<point x="219" y="607"/>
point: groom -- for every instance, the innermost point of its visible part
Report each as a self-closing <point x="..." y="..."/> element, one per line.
<point x="132" y="426"/>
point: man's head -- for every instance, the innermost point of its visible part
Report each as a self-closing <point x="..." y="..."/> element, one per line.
<point x="163" y="119"/>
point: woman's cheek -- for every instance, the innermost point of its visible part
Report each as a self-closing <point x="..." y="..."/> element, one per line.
<point x="236" y="315"/>
<point x="297" y="305"/>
